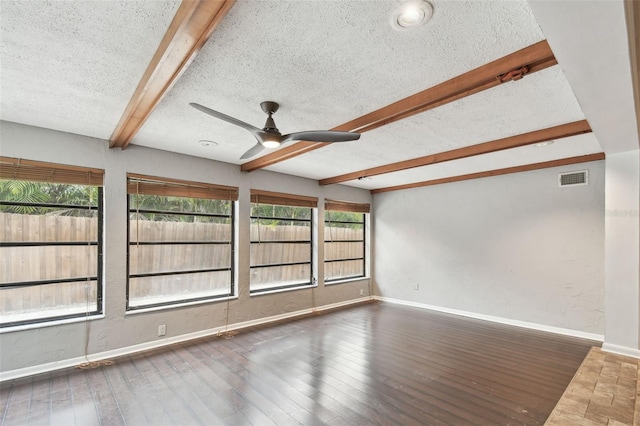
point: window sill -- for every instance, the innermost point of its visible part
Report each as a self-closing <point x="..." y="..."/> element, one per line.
<point x="177" y="305"/>
<point x="282" y="290"/>
<point x="346" y="280"/>
<point x="50" y="323"/>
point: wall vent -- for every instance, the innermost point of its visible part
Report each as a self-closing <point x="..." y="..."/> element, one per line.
<point x="573" y="178"/>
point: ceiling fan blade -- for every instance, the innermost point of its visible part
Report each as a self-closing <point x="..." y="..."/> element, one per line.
<point x="227" y="118"/>
<point x="256" y="149"/>
<point x="321" y="136"/>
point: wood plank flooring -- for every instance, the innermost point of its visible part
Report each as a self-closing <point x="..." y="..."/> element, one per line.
<point x="373" y="364"/>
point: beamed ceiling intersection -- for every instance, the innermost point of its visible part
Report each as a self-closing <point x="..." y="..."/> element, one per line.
<point x="195" y="21"/>
<point x="189" y="30"/>
<point x="533" y="58"/>
<point x="215" y="52"/>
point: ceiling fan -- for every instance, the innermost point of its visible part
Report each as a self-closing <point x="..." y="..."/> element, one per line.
<point x="270" y="136"/>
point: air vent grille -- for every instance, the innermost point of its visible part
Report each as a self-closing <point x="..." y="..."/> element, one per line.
<point x="573" y="178"/>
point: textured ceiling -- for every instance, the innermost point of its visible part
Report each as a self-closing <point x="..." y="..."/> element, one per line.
<point x="590" y="41"/>
<point x="73" y="66"/>
<point x="541" y="100"/>
<point x="562" y="148"/>
<point x="326" y="62"/>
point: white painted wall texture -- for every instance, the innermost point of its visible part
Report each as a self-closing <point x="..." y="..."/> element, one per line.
<point x="515" y="246"/>
<point x="28" y="348"/>
<point x="622" y="253"/>
<point x="611" y="109"/>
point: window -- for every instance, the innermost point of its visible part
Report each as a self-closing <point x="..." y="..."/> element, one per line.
<point x="344" y="240"/>
<point x="181" y="241"/>
<point x="281" y="241"/>
<point x="50" y="242"/>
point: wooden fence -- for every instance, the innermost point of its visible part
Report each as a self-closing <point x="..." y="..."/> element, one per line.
<point x="18" y="264"/>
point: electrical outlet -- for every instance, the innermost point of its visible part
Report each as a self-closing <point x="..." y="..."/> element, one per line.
<point x="361" y="292"/>
<point x="162" y="330"/>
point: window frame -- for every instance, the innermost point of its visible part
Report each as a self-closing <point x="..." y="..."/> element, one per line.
<point x="266" y="198"/>
<point x="13" y="169"/>
<point x="364" y="249"/>
<point x="348" y="207"/>
<point x="195" y="189"/>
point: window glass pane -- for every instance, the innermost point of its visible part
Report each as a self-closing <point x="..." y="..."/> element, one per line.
<point x="160" y="258"/>
<point x="278" y="230"/>
<point x="179" y="204"/>
<point x="47" y="263"/>
<point x="35" y="193"/>
<point x="170" y="234"/>
<point x="336" y="233"/>
<point x="278" y="253"/>
<point x="343" y="269"/>
<point x="334" y="216"/>
<point x="284" y="212"/>
<point x="148" y="291"/>
<point x="48" y="238"/>
<point x="20" y="304"/>
<point x="48" y="225"/>
<point x="351" y="250"/>
<point x="166" y="228"/>
<point x="273" y="231"/>
<point x="344" y="247"/>
<point x="279" y="276"/>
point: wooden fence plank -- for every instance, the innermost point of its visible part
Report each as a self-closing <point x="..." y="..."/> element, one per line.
<point x="51" y="262"/>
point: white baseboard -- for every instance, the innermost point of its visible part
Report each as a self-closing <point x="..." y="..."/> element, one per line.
<point x="58" y="365"/>
<point x="621" y="350"/>
<point x="523" y="324"/>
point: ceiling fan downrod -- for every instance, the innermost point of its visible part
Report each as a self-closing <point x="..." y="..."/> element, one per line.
<point x="270" y="108"/>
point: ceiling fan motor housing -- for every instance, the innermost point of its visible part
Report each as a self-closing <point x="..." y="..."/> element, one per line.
<point x="270" y="107"/>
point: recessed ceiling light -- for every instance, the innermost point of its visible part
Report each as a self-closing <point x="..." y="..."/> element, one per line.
<point x="208" y="144"/>
<point x="545" y="143"/>
<point x="411" y="14"/>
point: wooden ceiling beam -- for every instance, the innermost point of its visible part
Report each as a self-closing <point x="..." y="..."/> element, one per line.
<point x="538" y="136"/>
<point x="530" y="59"/>
<point x="189" y="30"/>
<point x="497" y="172"/>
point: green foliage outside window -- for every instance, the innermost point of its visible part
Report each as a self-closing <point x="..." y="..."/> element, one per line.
<point x="273" y="215"/>
<point x="19" y="191"/>
<point x="159" y="208"/>
<point x="337" y="219"/>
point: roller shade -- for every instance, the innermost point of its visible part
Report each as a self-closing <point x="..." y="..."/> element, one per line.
<point x="150" y="185"/>
<point x="345" y="206"/>
<point x="280" y="199"/>
<point x="39" y="171"/>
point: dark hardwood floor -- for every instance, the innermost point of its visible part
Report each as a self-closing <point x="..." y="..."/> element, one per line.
<point x="370" y="364"/>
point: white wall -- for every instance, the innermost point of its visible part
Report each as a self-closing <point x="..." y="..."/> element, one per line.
<point x="514" y="246"/>
<point x="622" y="255"/>
<point x="29" y="348"/>
<point x="589" y="39"/>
